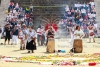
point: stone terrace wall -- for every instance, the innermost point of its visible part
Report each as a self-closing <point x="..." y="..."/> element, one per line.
<point x="97" y="5"/>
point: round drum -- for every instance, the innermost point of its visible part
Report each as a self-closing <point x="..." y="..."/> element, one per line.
<point x="51" y="45"/>
<point x="78" y="47"/>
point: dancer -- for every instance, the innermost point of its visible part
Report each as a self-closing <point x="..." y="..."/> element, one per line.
<point x="50" y="40"/>
<point x="91" y="32"/>
<point x="31" y="43"/>
<point x="78" y="35"/>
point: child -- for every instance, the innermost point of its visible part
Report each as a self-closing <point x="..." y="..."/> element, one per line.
<point x="22" y="39"/>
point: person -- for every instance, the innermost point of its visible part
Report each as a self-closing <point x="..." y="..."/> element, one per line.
<point x="7" y="33"/>
<point x="21" y="36"/>
<point x="72" y="34"/>
<point x="0" y="32"/>
<point x="42" y="36"/>
<point x="39" y="35"/>
<point x="25" y="31"/>
<point x="91" y="32"/>
<point x="85" y="30"/>
<point x="50" y="40"/>
<point x="15" y="36"/>
<point x="78" y="35"/>
<point x="31" y="8"/>
<point x="31" y="40"/>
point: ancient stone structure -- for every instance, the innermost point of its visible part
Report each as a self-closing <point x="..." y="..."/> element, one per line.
<point x="97" y="5"/>
<point x="3" y="7"/>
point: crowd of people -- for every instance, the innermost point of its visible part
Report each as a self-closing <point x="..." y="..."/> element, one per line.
<point x="83" y="15"/>
<point x="19" y="25"/>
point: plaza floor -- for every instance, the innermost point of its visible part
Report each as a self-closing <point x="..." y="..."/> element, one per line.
<point x="63" y="44"/>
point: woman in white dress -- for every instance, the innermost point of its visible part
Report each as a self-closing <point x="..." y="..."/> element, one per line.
<point x="91" y="32"/>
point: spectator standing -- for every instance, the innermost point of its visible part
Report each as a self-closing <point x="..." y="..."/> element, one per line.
<point x="31" y="8"/>
<point x="39" y="36"/>
<point x="15" y="36"/>
<point x="7" y="33"/>
<point x="0" y="32"/>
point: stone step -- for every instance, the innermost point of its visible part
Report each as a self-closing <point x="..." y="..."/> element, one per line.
<point x="3" y="8"/>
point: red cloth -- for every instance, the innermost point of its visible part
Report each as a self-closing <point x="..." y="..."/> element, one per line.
<point x="11" y="3"/>
<point x="47" y="26"/>
<point x="27" y="16"/>
<point x="92" y="64"/>
<point x="55" y="26"/>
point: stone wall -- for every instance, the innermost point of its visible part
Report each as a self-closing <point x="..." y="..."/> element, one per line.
<point x="3" y="8"/>
<point x="97" y="5"/>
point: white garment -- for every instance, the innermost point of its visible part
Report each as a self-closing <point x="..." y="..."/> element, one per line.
<point x="96" y="26"/>
<point x="14" y="39"/>
<point x="21" y="35"/>
<point x="92" y="3"/>
<point x="77" y="5"/>
<point x="77" y="34"/>
<point x="31" y="35"/>
<point x="81" y="19"/>
<point x="90" y="15"/>
<point x="67" y="8"/>
<point x="83" y="11"/>
<point x="39" y="32"/>
<point x="31" y="7"/>
<point x="42" y="31"/>
<point x="14" y="11"/>
<point x="93" y="15"/>
<point x="72" y="38"/>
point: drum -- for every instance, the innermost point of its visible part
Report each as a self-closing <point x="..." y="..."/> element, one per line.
<point x="51" y="45"/>
<point x="78" y="47"/>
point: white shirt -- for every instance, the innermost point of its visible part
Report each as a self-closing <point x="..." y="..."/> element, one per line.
<point x="39" y="31"/>
<point x="31" y="6"/>
<point x="90" y="15"/>
<point x="31" y="35"/>
<point x="81" y="19"/>
<point x="83" y="11"/>
<point x="77" y="5"/>
<point x="66" y="8"/>
<point x="93" y="15"/>
<point x="96" y="26"/>
<point x="92" y="3"/>
<point x="14" y="11"/>
<point x="42" y="31"/>
<point x="77" y="34"/>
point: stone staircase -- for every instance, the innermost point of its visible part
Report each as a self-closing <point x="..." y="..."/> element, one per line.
<point x="3" y="8"/>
